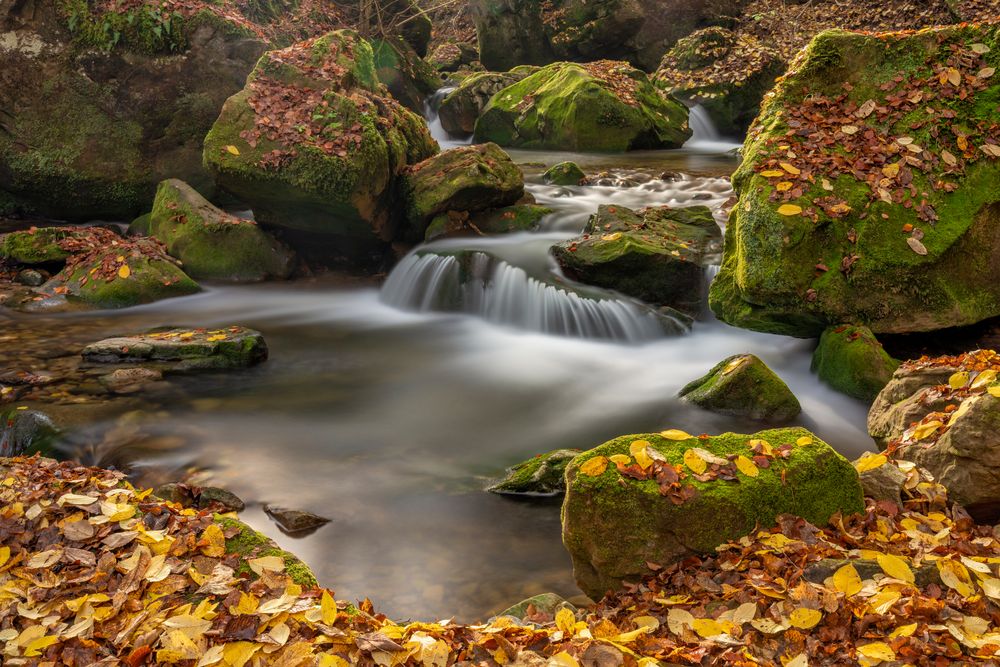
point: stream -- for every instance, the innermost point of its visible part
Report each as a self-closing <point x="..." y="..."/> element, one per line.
<point x="388" y="411"/>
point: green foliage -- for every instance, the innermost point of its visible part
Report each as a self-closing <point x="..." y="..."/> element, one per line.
<point x="145" y="29"/>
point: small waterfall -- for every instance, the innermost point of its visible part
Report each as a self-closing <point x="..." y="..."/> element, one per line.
<point x="431" y="107"/>
<point x="481" y="285"/>
<point x="705" y="136"/>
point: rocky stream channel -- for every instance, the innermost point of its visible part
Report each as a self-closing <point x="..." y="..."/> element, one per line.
<point x="389" y="408"/>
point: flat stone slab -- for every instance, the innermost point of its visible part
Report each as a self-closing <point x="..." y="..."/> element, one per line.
<point x="183" y="349"/>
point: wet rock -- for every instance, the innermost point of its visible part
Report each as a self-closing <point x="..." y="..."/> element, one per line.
<point x="518" y="218"/>
<point x="296" y="523"/>
<point x="183" y="349"/>
<point x="408" y="77"/>
<point x="510" y="33"/>
<point x="564" y="173"/>
<point x="822" y="570"/>
<point x="603" y="106"/>
<point x="201" y="497"/>
<point x="470" y="179"/>
<point x="657" y="255"/>
<point x="30" y="278"/>
<point x="743" y="386"/>
<point x="42" y="245"/>
<point x="538" y="608"/>
<point x="460" y="110"/>
<point x="130" y="380"/>
<point x="450" y="56"/>
<point x="883" y="483"/>
<point x="25" y="432"/>
<point x="909" y="397"/>
<point x="851" y="360"/>
<point x="196" y="232"/>
<point x="614" y="525"/>
<point x="542" y="475"/>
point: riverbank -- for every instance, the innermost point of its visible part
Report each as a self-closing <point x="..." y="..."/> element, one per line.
<point x="95" y="571"/>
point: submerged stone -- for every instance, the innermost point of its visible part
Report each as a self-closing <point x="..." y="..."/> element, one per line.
<point x="657" y="255"/>
<point x="183" y="349"/>
<point x="213" y="244"/>
<point x="743" y="386"/>
<point x="603" y="106"/>
<point x="542" y="475"/>
<point x="614" y="525"/>
<point x="851" y="360"/>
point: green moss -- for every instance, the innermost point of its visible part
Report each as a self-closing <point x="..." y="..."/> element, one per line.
<point x="248" y="543"/>
<point x="150" y="280"/>
<point x="852" y="361"/>
<point x="145" y="29"/>
<point x="563" y="107"/>
<point x="769" y="280"/>
<point x="613" y="525"/>
<point x="542" y="475"/>
<point x="564" y="173"/>
<point x="743" y="385"/>
<point x="38" y="247"/>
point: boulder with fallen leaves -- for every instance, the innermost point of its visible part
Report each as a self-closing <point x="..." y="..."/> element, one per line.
<point x="213" y="244"/>
<point x="657" y="255"/>
<point x="605" y="106"/>
<point x="315" y="143"/>
<point x="868" y="191"/>
<point x="662" y="497"/>
<point x="182" y="349"/>
<point x="944" y="415"/>
<point x="851" y="360"/>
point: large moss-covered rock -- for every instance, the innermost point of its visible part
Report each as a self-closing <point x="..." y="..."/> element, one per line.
<point x="101" y="104"/>
<point x="725" y="73"/>
<point x="870" y="189"/>
<point x="916" y="415"/>
<point x="614" y="524"/>
<point x="851" y="360"/>
<point x="314" y="142"/>
<point x="183" y="349"/>
<point x="658" y="256"/>
<point x="743" y="386"/>
<point x="469" y="178"/>
<point x="409" y="78"/>
<point x="510" y="33"/>
<point x="600" y="106"/>
<point x="212" y="244"/>
<point x="542" y="475"/>
<point x="460" y="110"/>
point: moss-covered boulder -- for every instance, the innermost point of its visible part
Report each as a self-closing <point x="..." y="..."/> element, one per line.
<point x="101" y="103"/>
<point x="743" y="386"/>
<point x="725" y="73"/>
<point x="249" y="544"/>
<point x="469" y="178"/>
<point x="510" y="33"/>
<point x="183" y="349"/>
<point x="542" y="475"/>
<point x="599" y="106"/>
<point x="870" y="188"/>
<point x="451" y="56"/>
<point x="564" y="173"/>
<point x="851" y="360"/>
<point x="505" y="220"/>
<point x="314" y="142"/>
<point x="38" y="245"/>
<point x="666" y="496"/>
<point x="409" y="78"/>
<point x="212" y="244"/>
<point x="657" y="255"/>
<point x="461" y="108"/>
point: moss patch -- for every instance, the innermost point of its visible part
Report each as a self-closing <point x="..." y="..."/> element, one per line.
<point x="248" y="543"/>
<point x="851" y="360"/>
<point x="743" y="386"/>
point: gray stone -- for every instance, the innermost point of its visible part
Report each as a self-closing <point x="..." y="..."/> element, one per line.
<point x="201" y="497"/>
<point x="183" y="349"/>
<point x="884" y="483"/>
<point x="130" y="380"/>
<point x="297" y="523"/>
<point x="30" y="277"/>
<point x="25" y="431"/>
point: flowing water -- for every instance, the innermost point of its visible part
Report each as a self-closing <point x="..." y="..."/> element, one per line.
<point x="389" y="411"/>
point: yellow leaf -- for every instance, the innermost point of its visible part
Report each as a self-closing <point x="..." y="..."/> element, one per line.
<point x="233" y="149"/>
<point x="675" y="434"/>
<point x="4" y="555"/>
<point x="994" y="390"/>
<point x="212" y="339"/>
<point x="124" y="271"/>
<point x="566" y="621"/>
<point x="895" y="567"/>
<point x="904" y="631"/>
<point x="619" y="458"/>
<point x="805" y="618"/>
<point x="883" y="601"/>
<point x="773" y="173"/>
<point x="328" y="606"/>
<point x="594" y="467"/>
<point x="877" y="651"/>
<point x="984" y="378"/>
<point x="565" y="659"/>
<point x="248" y="604"/>
<point x="891" y="170"/>
<point x="869" y="461"/>
<point x="789" y="209"/>
<point x="847" y="580"/>
<point x="267" y="563"/>
<point x="695" y="462"/>
<point x="214" y="541"/>
<point x="926" y="429"/>
<point x="791" y="169"/>
<point x="783" y="186"/>
<point x="955" y="576"/>
<point x="612" y="237"/>
<point x="746" y="466"/>
<point x="327" y="660"/>
<point x="237" y="654"/>
<point x="706" y="627"/>
<point x="37" y="646"/>
<point x="639" y="450"/>
<point x="958" y="380"/>
<point x="804" y="440"/>
<point x="765" y="447"/>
